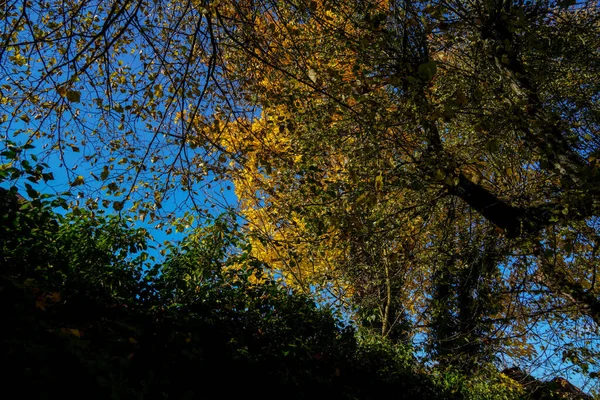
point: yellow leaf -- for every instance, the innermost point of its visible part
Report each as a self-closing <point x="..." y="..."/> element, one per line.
<point x="379" y="183"/>
<point x="78" y="181"/>
<point x="439" y="174"/>
<point x="54" y="297"/>
<point x="71" y="331"/>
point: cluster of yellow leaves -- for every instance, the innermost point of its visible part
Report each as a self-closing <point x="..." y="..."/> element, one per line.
<point x="265" y="143"/>
<point x="328" y="81"/>
<point x="72" y="332"/>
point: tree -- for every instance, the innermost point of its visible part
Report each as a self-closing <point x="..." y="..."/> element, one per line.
<point x="350" y="130"/>
<point x="395" y="108"/>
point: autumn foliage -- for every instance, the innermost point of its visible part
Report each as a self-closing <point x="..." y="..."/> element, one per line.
<point x="427" y="168"/>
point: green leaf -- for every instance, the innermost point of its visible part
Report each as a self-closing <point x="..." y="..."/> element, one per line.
<point x="73" y="96"/>
<point x="48" y="176"/>
<point x="9" y="154"/>
<point x="113" y="187"/>
<point x="104" y="174"/>
<point x="118" y="205"/>
<point x="31" y="192"/>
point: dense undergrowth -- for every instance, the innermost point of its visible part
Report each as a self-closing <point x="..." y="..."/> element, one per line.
<point x="86" y="312"/>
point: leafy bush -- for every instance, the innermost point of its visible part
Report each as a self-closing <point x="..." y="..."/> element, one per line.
<point x="487" y="384"/>
<point x="85" y="314"/>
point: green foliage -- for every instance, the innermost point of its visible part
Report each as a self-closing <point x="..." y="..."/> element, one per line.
<point x="85" y="313"/>
<point x="81" y="304"/>
<point x="197" y="259"/>
<point x="486" y="384"/>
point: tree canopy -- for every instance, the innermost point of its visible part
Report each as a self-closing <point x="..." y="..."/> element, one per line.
<point x="430" y="165"/>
